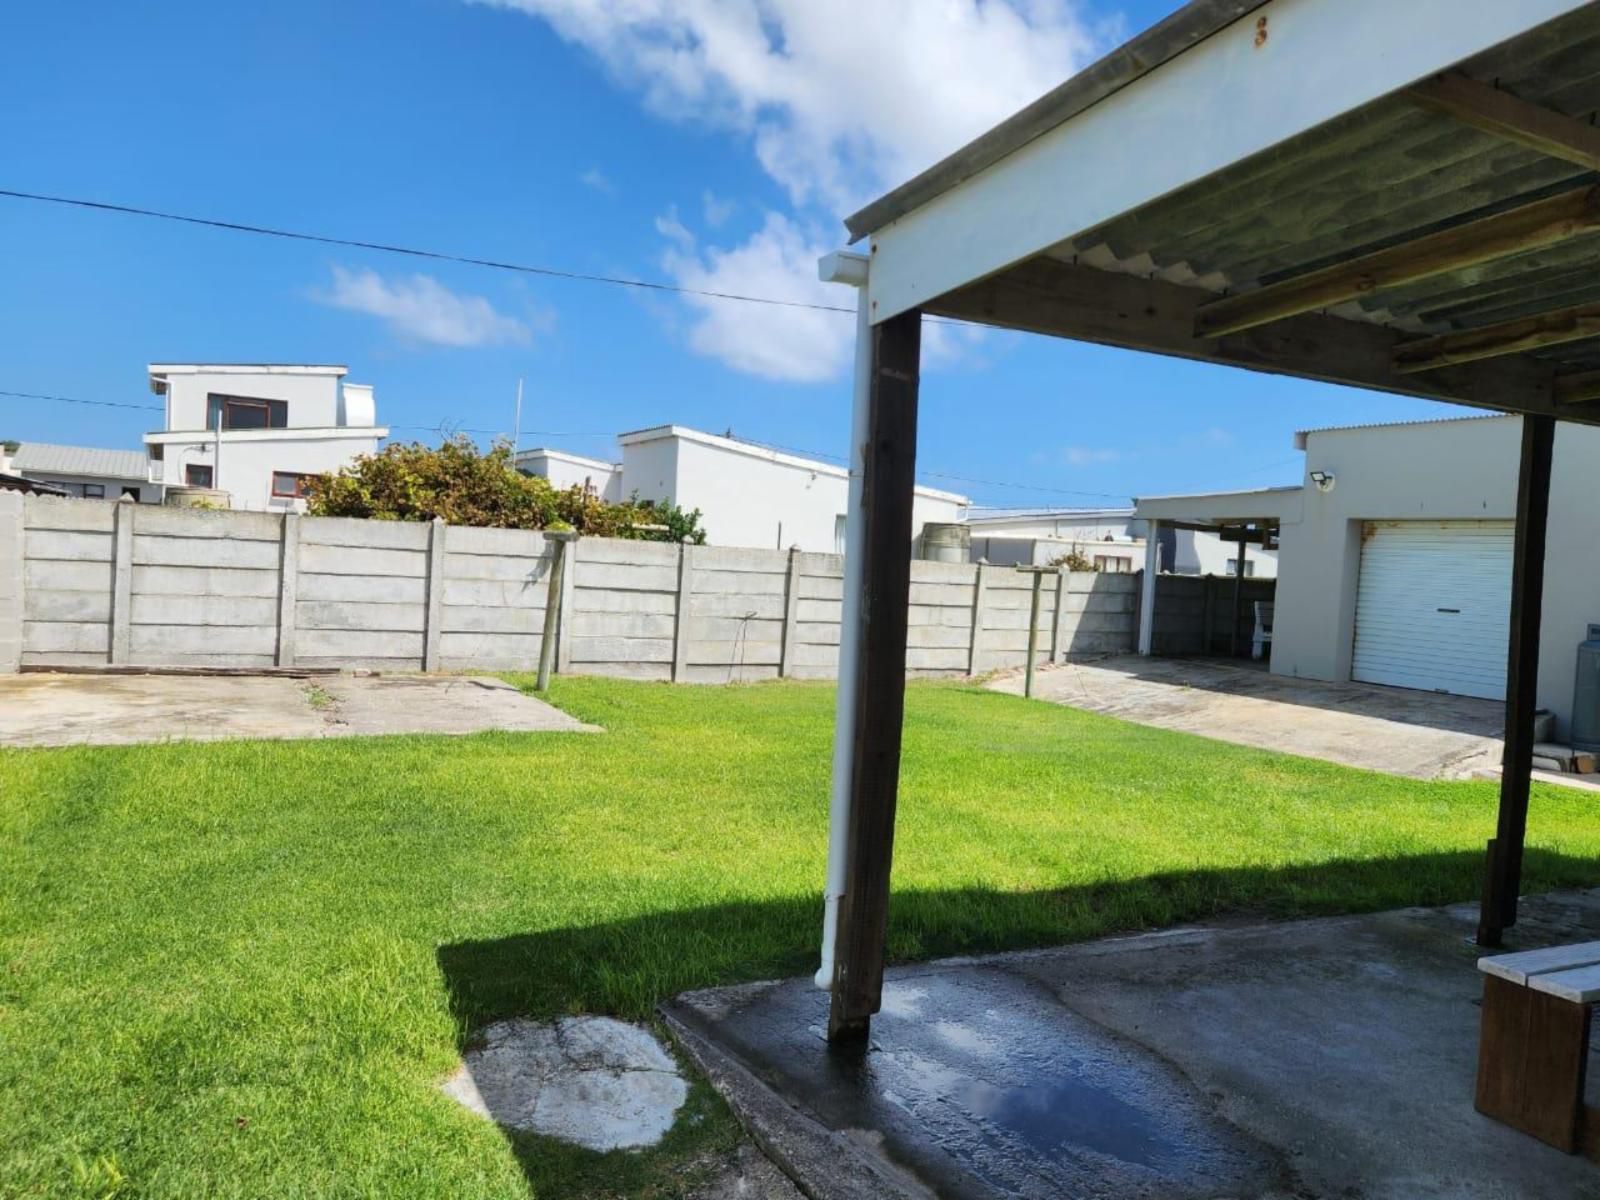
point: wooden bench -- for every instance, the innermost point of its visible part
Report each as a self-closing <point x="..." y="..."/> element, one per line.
<point x="1534" y="1047"/>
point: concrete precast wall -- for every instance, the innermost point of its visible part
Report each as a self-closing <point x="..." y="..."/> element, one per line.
<point x="88" y="582"/>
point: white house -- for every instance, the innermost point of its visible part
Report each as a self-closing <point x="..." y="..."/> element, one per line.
<point x="85" y="471"/>
<point x="257" y="431"/>
<point x="1395" y="555"/>
<point x="1113" y="539"/>
<point x="748" y="495"/>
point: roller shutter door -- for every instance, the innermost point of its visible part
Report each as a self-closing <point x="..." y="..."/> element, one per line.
<point x="1433" y="606"/>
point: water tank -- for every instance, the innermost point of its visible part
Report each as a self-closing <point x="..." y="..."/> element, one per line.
<point x="946" y="542"/>
<point x="1586" y="695"/>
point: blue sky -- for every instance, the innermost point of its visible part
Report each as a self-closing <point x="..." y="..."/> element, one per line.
<point x="655" y="139"/>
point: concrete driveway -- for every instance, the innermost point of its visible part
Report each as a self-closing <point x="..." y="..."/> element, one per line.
<point x="1418" y="734"/>
<point x="108" y="710"/>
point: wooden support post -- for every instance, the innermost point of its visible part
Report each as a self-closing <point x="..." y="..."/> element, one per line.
<point x="977" y="617"/>
<point x="432" y="635"/>
<point x="288" y="587"/>
<point x="886" y="505"/>
<point x="791" y="614"/>
<point x="558" y="543"/>
<point x="122" y="581"/>
<point x="1522" y="679"/>
<point x="680" y="621"/>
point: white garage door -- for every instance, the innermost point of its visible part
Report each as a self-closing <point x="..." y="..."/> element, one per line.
<point x="1433" y="609"/>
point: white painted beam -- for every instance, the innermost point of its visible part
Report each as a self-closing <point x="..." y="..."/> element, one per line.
<point x="1243" y="90"/>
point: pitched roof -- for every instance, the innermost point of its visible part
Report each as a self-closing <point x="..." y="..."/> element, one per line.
<point x="80" y="460"/>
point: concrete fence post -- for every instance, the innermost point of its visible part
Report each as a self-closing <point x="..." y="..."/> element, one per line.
<point x="122" y="580"/>
<point x="554" y="591"/>
<point x="680" y="620"/>
<point x="791" y="614"/>
<point x="432" y="634"/>
<point x="288" y="587"/>
<point x="12" y="534"/>
<point x="977" y="618"/>
<point x="1060" y="614"/>
<point x="569" y="584"/>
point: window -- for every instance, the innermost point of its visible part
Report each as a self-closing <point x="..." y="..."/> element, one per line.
<point x="245" y="412"/>
<point x="131" y="491"/>
<point x="1249" y="568"/>
<point x="94" y="491"/>
<point x="289" y="485"/>
<point x="197" y="475"/>
<point x="1113" y="564"/>
<point x="839" y="523"/>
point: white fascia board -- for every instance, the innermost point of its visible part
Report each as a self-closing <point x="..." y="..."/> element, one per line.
<point x="1210" y="107"/>
<point x="247" y="369"/>
<point x="1270" y="504"/>
<point x="576" y="460"/>
<point x="365" y="433"/>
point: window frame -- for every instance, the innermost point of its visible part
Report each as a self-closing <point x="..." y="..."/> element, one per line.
<point x="99" y="492"/>
<point x="299" y="478"/>
<point x="219" y="405"/>
<point x="190" y="470"/>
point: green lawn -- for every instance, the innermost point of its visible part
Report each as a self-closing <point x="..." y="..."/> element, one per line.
<point x="241" y="969"/>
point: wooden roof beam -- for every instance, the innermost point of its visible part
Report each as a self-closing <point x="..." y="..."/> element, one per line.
<point x="1580" y="387"/>
<point x="1496" y="112"/>
<point x="1545" y="222"/>
<point x="1072" y="301"/>
<point x="1573" y="324"/>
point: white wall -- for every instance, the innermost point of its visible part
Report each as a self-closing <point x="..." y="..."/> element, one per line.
<point x="565" y="471"/>
<point x="250" y="456"/>
<point x="753" y="497"/>
<point x="1090" y="527"/>
<point x="313" y="400"/>
<point x="1201" y="553"/>
<point x="147" y="493"/>
<point x="1458" y="470"/>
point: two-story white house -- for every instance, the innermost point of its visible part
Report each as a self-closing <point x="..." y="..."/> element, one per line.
<point x="256" y="431"/>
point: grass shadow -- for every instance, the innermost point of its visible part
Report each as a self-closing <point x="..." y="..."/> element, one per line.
<point x="627" y="967"/>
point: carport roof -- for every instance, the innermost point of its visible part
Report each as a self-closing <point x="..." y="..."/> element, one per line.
<point x="1274" y="504"/>
<point x="1400" y="197"/>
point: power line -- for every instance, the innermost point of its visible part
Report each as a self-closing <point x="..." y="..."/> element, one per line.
<point x="414" y="252"/>
<point x="75" y="400"/>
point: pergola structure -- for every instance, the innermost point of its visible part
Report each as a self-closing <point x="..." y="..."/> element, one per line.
<point x="1398" y="196"/>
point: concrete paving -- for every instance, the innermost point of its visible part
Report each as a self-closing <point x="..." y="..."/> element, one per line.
<point x="108" y="710"/>
<point x="1329" y="1058"/>
<point x="1423" y="735"/>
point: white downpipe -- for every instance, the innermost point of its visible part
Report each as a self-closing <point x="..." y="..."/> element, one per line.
<point x="847" y="268"/>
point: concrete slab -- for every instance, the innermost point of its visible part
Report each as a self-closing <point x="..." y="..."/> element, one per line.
<point x="1423" y="735"/>
<point x="103" y="710"/>
<point x="1328" y="1058"/>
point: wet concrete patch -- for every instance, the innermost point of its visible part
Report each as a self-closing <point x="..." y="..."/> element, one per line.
<point x="977" y="1083"/>
<point x="593" y="1081"/>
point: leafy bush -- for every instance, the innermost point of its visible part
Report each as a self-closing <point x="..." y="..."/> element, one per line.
<point x="457" y="482"/>
<point x="1073" y="560"/>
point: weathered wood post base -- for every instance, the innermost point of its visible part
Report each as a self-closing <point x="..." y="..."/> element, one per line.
<point x="886" y="500"/>
<point x="1532" y="1058"/>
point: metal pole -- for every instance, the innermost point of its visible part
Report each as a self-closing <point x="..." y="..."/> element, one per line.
<point x="1033" y="634"/>
<point x="552" y="606"/>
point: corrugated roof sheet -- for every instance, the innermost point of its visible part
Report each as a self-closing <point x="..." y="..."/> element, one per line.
<point x="80" y="460"/>
<point x="1380" y="176"/>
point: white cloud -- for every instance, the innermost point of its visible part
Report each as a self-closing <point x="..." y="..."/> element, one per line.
<point x="838" y="98"/>
<point x="1088" y="456"/>
<point x="669" y="227"/>
<point x="421" y="308"/>
<point x="717" y="210"/>
<point x="779" y="261"/>
<point x="597" y="179"/>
